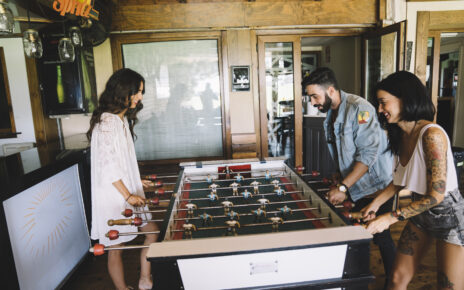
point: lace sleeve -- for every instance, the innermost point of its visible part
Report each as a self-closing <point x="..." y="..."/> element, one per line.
<point x="105" y="148"/>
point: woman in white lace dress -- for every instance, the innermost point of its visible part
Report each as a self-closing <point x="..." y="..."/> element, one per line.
<point x="115" y="176"/>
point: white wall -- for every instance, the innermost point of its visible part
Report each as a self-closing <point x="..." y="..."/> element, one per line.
<point x="19" y="90"/>
<point x="412" y="9"/>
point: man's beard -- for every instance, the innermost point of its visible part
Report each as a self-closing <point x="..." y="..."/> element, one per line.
<point x="324" y="108"/>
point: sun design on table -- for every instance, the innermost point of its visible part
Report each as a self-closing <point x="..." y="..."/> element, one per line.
<point x="47" y="215"/>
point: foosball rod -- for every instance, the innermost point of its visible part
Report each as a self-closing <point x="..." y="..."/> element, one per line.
<point x="128" y="213"/>
<point x="99" y="249"/>
<point x="241" y="172"/>
<point x="225" y="216"/>
<point x="153" y="177"/>
<point x="245" y="205"/>
<point x="233" y="179"/>
<point x="237" y="196"/>
<point x="242" y="186"/>
<point x="257" y="224"/>
<point x="114" y="234"/>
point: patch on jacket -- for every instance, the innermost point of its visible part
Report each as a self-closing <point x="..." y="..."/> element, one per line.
<point x="363" y="117"/>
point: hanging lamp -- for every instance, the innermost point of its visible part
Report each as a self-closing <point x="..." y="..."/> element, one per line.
<point x="31" y="40"/>
<point x="6" y="18"/>
<point x="76" y="36"/>
<point x="66" y="48"/>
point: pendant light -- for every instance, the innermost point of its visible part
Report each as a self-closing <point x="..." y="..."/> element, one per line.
<point x="31" y="40"/>
<point x="76" y="36"/>
<point x="6" y="18"/>
<point x="66" y="48"/>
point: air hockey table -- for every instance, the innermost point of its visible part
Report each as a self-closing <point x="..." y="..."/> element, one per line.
<point x="256" y="224"/>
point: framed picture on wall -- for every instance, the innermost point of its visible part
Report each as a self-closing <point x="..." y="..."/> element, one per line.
<point x="240" y="78"/>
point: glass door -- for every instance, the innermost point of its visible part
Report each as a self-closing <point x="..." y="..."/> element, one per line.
<point x="280" y="97"/>
<point x="383" y="55"/>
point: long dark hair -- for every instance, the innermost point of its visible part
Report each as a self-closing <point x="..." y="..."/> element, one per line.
<point x="123" y="84"/>
<point x="417" y="104"/>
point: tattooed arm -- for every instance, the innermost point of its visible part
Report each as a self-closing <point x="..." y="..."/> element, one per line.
<point x="435" y="146"/>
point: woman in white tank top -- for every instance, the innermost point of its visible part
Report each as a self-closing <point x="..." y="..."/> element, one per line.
<point x="423" y="164"/>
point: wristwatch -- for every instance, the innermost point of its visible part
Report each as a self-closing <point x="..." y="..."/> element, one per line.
<point x="342" y="187"/>
<point x="399" y="216"/>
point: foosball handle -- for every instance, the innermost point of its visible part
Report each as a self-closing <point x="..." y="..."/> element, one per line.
<point x="160" y="191"/>
<point x="325" y="180"/>
<point x="121" y="222"/>
<point x="347" y="204"/>
<point x="127" y="212"/>
<point x="112" y="234"/>
<point x="352" y="215"/>
<point x="299" y="168"/>
<point x="151" y="177"/>
<point x="152" y="201"/>
<point x="97" y="250"/>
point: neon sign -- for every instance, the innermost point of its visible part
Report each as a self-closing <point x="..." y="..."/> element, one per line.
<point x="82" y="8"/>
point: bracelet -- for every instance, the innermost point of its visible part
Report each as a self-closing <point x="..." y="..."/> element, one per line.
<point x="128" y="197"/>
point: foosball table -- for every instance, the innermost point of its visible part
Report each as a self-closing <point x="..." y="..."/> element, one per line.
<point x="255" y="224"/>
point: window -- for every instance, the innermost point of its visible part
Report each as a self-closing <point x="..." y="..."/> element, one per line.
<point x="182" y="115"/>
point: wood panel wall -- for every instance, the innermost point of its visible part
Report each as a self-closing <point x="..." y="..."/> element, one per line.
<point x="46" y="129"/>
<point x="150" y="14"/>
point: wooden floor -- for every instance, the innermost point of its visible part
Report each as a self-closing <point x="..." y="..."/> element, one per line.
<point x="92" y="273"/>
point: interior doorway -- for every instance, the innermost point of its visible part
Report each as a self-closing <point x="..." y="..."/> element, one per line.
<point x="449" y="98"/>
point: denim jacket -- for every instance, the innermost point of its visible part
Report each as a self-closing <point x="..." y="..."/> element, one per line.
<point x="359" y="137"/>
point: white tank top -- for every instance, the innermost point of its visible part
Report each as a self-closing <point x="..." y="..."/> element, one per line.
<point x="413" y="176"/>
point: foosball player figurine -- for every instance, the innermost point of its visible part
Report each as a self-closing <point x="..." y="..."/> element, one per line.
<point x="234" y="186"/>
<point x="285" y="211"/>
<point x="267" y="176"/>
<point x="206" y="218"/>
<point x="212" y="196"/>
<point x="209" y="179"/>
<point x="214" y="187"/>
<point x="259" y="214"/>
<point x="279" y="192"/>
<point x="263" y="201"/>
<point x="233" y="215"/>
<point x="188" y="230"/>
<point x="190" y="208"/>
<point x="227" y="205"/>
<point x="238" y="177"/>
<point x="255" y="185"/>
<point x="227" y="171"/>
<point x="275" y="223"/>
<point x="276" y="183"/>
<point x="246" y="194"/>
<point x="232" y="226"/>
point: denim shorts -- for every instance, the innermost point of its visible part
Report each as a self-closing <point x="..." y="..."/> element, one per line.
<point x="444" y="221"/>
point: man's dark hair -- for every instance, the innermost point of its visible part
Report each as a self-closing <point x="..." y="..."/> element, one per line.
<point x="322" y="76"/>
<point x="417" y="104"/>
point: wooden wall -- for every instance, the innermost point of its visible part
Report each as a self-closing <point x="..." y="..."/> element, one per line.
<point x="150" y="14"/>
<point x="239" y="21"/>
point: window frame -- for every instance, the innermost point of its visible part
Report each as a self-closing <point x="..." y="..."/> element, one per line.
<point x="118" y="40"/>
